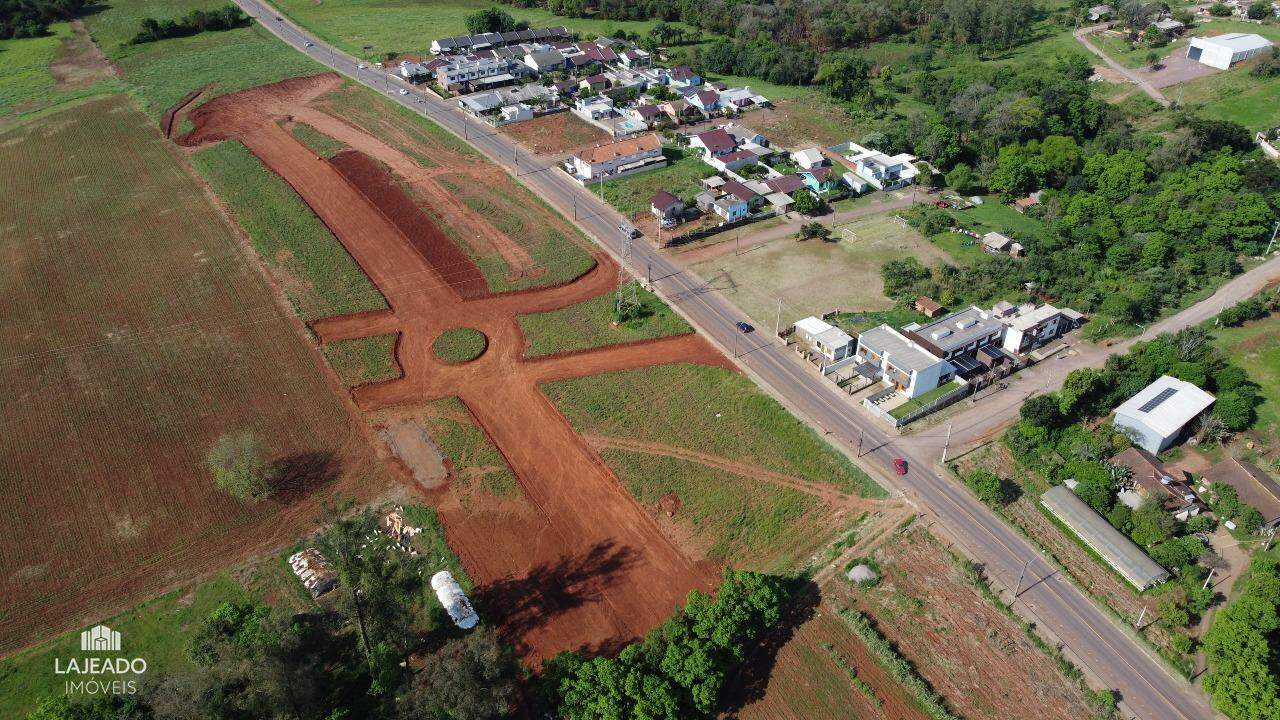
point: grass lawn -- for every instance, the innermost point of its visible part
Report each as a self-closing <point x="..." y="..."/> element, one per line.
<point x="475" y="460"/>
<point x="459" y="345"/>
<point x="855" y="323"/>
<point x="815" y="277"/>
<point x="1128" y="54"/>
<point x="804" y="117"/>
<point x="995" y="215"/>
<point x="160" y="73"/>
<point x="631" y="195"/>
<point x="706" y="409"/>
<point x="318" y="142"/>
<point x="923" y="400"/>
<point x="318" y="275"/>
<point x="372" y="29"/>
<point x="591" y="324"/>
<point x="1255" y="346"/>
<point x="27" y="85"/>
<point x="749" y="522"/>
<point x="1233" y="94"/>
<point x="962" y="248"/>
<point x="363" y="360"/>
<point x="157" y="630"/>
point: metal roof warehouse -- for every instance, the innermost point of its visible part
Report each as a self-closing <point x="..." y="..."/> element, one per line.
<point x="1115" y="548"/>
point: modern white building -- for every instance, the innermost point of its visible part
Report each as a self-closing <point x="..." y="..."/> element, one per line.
<point x="809" y="158"/>
<point x="834" y="343"/>
<point x="1155" y="417"/>
<point x="1223" y="51"/>
<point x="883" y="172"/>
<point x="902" y="362"/>
<point x="1027" y="331"/>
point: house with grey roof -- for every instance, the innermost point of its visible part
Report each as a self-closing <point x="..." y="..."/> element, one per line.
<point x="902" y="362"/>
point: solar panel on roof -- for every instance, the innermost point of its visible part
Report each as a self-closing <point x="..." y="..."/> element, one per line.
<point x="1160" y="397"/>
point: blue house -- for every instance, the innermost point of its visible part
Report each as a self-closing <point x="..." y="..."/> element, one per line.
<point x="820" y="179"/>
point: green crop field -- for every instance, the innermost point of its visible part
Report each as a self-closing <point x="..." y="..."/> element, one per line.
<point x="317" y="274"/>
<point x="363" y="360"/>
<point x="26" y="83"/>
<point x="161" y="73"/>
<point x="373" y="29"/>
<point x="738" y="519"/>
<point x="591" y="324"/>
<point x="709" y="410"/>
<point x="681" y="176"/>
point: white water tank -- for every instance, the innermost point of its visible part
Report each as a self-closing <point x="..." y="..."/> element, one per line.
<point x="454" y="600"/>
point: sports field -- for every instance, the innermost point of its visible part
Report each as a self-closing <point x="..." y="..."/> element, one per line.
<point x="137" y="333"/>
<point x="814" y="277"/>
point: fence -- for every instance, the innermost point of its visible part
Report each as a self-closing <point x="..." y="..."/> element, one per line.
<point x="934" y="406"/>
<point x="708" y="232"/>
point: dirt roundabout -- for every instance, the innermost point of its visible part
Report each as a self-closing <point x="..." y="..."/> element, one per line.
<point x="586" y="568"/>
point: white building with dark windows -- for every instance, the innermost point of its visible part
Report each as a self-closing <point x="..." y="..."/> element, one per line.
<point x="902" y="362"/>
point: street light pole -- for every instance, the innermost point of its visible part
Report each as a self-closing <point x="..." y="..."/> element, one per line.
<point x="1018" y="590"/>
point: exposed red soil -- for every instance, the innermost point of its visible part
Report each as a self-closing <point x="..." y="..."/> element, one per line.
<point x="174" y="115"/>
<point x="447" y="260"/>
<point x="587" y="568"/>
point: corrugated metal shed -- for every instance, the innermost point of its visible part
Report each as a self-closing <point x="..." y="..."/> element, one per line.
<point x="1117" y="550"/>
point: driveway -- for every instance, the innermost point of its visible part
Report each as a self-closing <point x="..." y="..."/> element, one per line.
<point x="1176" y="69"/>
<point x="1082" y="35"/>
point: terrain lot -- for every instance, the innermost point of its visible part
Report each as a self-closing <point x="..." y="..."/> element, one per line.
<point x="137" y="334"/>
<point x="814" y="277"/>
<point x="1255" y="346"/>
<point x="554" y="134"/>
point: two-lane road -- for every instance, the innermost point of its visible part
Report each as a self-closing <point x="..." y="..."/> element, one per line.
<point x="1096" y="641"/>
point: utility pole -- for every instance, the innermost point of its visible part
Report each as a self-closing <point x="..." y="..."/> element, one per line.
<point x="946" y="444"/>
<point x="1275" y="230"/>
<point x="1208" y="579"/>
<point x="777" y="321"/>
<point x="627" y="298"/>
<point x="861" y="433"/>
<point x="1018" y="590"/>
<point x="1141" y="615"/>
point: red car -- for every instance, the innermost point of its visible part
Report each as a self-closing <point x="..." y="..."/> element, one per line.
<point x="900" y="466"/>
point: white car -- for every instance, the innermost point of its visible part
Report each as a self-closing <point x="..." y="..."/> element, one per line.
<point x="310" y="44"/>
<point x="362" y="66"/>
<point x="403" y="91"/>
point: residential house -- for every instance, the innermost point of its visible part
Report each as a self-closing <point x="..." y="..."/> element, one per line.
<point x="901" y="361"/>
<point x="820" y="179"/>
<point x="854" y="183"/>
<point x="471" y="43"/>
<point x="708" y="101"/>
<point x="641" y="152"/>
<point x="541" y="61"/>
<point x="735" y="160"/>
<point x="928" y="307"/>
<point x="713" y="143"/>
<point x="565" y="87"/>
<point x="1170" y="27"/>
<point x="478" y="73"/>
<point x="809" y="158"/>
<point x="636" y="58"/>
<point x="644" y="114"/>
<point x="679" y="110"/>
<point x="746" y="136"/>
<point x="682" y="76"/>
<point x="742" y="98"/>
<point x="997" y="243"/>
<point x="730" y="208"/>
<point x="594" y="107"/>
<point x="1030" y="330"/>
<point x="667" y="207"/>
<point x="420" y="72"/>
<point x="1156" y="416"/>
<point x="739" y="191"/>
<point x="1026" y="203"/>
<point x="1150" y="480"/>
<point x="786" y="184"/>
<point x="599" y="53"/>
<point x="958" y="335"/>
<point x="594" y="84"/>
<point x="481" y="105"/>
<point x="1100" y="12"/>
<point x="705" y="200"/>
<point x="780" y="202"/>
<point x="516" y="113"/>
<point x="883" y="172"/>
<point x="828" y="340"/>
<point x="1253" y="486"/>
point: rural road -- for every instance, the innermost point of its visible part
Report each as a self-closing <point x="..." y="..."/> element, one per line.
<point x="1097" y="642"/>
<point x="1083" y="36"/>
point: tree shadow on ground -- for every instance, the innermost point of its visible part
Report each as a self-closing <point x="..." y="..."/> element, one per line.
<point x="521" y="604"/>
<point x="750" y="683"/>
<point x="297" y="475"/>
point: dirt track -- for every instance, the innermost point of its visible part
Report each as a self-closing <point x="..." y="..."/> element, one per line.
<point x="590" y="569"/>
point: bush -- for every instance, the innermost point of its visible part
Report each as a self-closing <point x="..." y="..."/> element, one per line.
<point x="990" y="488"/>
<point x="239" y="466"/>
<point x="195" y="22"/>
<point x="1235" y="410"/>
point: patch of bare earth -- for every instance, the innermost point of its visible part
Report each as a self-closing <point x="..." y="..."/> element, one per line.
<point x="80" y="62"/>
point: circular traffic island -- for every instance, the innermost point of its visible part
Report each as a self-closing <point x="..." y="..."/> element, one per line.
<point x="459" y="345"/>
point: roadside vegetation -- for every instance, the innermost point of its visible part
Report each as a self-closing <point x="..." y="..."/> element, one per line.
<point x="593" y="323"/>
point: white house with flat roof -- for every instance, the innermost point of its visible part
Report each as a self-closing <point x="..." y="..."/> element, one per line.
<point x="1155" y="417"/>
<point x="902" y="362"/>
<point x="883" y="172"/>
<point x="834" y="343"/>
<point x="1223" y="51"/>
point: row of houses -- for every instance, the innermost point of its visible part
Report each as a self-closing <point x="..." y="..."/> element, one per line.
<point x="486" y="41"/>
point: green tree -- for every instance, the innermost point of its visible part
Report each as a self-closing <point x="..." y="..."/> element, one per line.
<point x="806" y="203"/>
<point x="239" y="466"/>
<point x="490" y="20"/>
<point x="989" y="487"/>
<point x="1235" y="409"/>
<point x="844" y="76"/>
<point x="1043" y="411"/>
<point x="962" y="179"/>
<point x="1094" y="483"/>
<point x="472" y="678"/>
<point x="1151" y="524"/>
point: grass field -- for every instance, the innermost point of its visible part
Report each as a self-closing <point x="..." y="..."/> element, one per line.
<point x="1255" y="347"/>
<point x="157" y="630"/>
<point x="631" y="195"/>
<point x="317" y="274"/>
<point x="318" y="142"/>
<point x="27" y="85"/>
<point x="137" y="333"/>
<point x="732" y="518"/>
<point x="160" y="73"/>
<point x="591" y="324"/>
<point x="706" y="409"/>
<point x="1233" y="94"/>
<point x="995" y="215"/>
<point x="815" y="277"/>
<point x="476" y="463"/>
<point x="363" y="360"/>
<point x="459" y="345"/>
<point x="409" y="26"/>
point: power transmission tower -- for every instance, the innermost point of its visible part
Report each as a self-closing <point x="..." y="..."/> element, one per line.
<point x="628" y="297"/>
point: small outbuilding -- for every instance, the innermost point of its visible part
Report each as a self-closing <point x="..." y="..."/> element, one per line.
<point x="928" y="307"/>
<point x="1156" y="416"/>
<point x="862" y="575"/>
<point x="829" y="340"/>
<point x="1223" y="51"/>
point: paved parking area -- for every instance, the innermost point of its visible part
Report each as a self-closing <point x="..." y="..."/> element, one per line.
<point x="1175" y="69"/>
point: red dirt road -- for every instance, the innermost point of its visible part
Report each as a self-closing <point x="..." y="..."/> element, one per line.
<point x="592" y="569"/>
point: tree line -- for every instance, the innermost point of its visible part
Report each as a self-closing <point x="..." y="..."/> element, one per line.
<point x="31" y="18"/>
<point x="195" y="22"/>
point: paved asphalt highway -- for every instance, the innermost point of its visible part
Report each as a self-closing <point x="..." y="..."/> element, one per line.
<point x="1097" y="642"/>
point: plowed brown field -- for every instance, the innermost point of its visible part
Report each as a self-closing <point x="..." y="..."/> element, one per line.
<point x="588" y="568"/>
